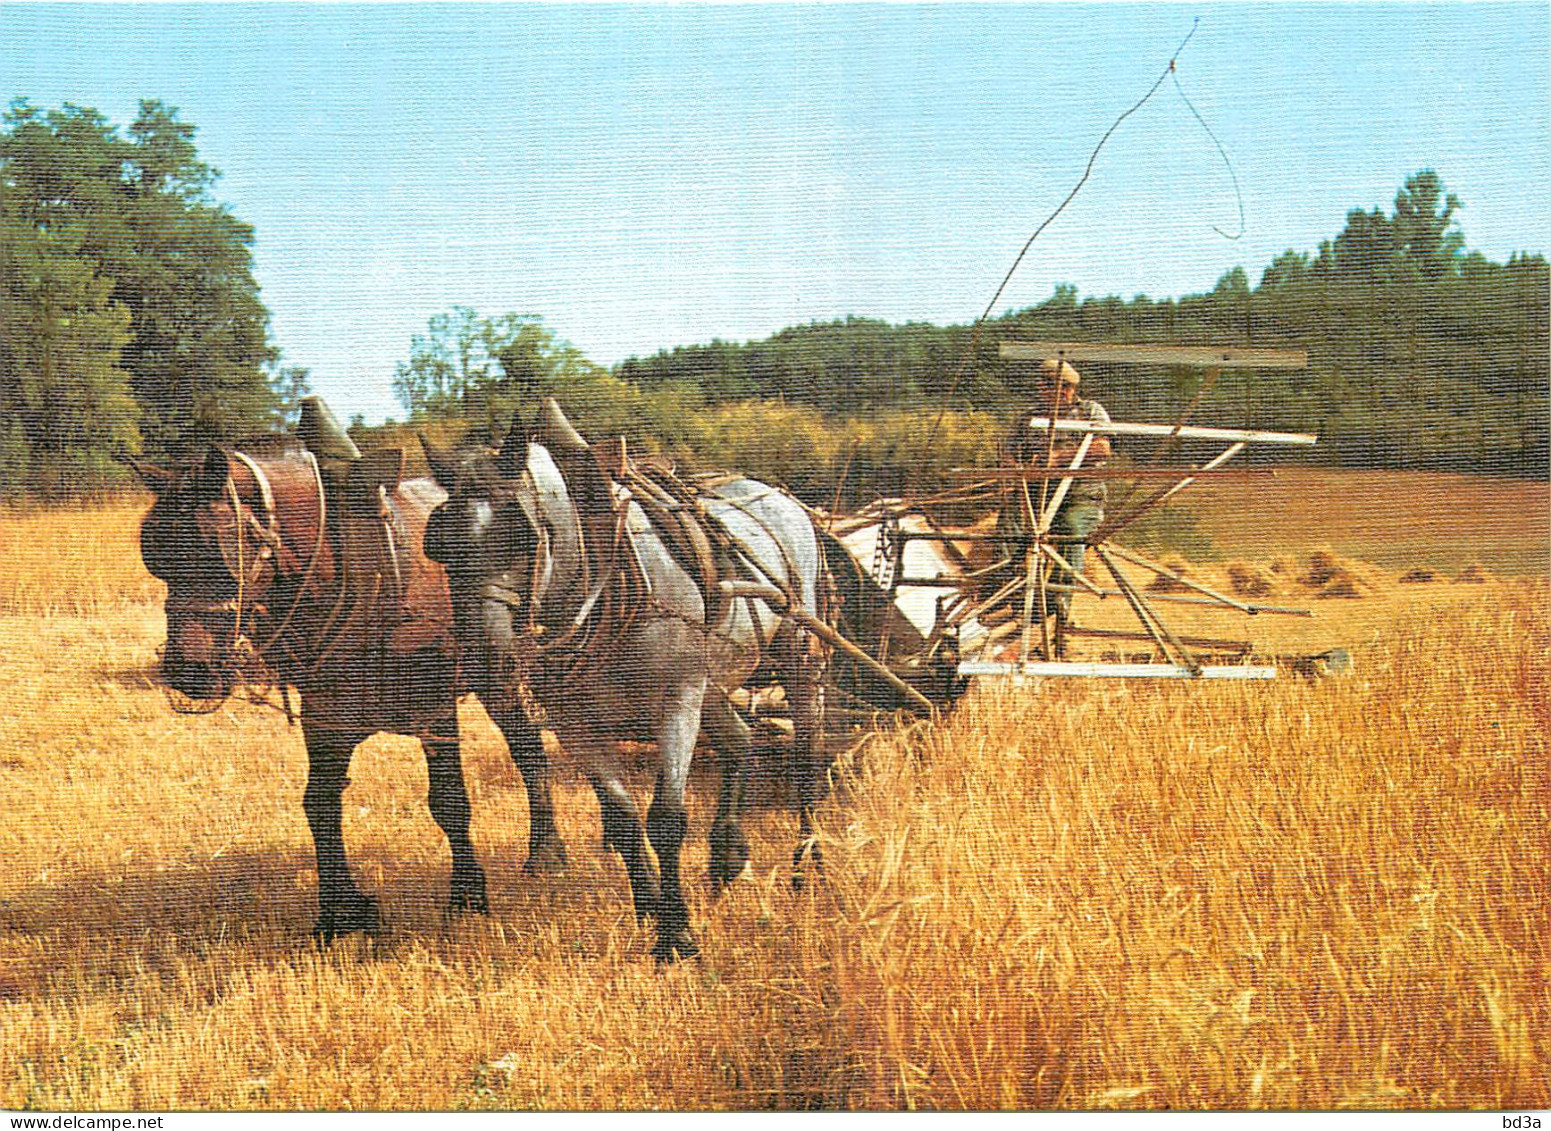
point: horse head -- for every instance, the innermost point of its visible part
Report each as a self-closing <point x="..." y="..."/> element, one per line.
<point x="211" y="537"/>
<point x="493" y="533"/>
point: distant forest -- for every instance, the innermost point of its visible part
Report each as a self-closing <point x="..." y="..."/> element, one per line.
<point x="130" y="323"/>
<point x="1421" y="354"/>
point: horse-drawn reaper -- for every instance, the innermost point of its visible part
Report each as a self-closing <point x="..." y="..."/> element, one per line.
<point x="995" y="600"/>
<point x="573" y="588"/>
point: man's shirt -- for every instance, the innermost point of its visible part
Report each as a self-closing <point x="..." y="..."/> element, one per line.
<point x="1033" y="441"/>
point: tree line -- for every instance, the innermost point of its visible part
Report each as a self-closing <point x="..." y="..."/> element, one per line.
<point x="1421" y="354"/>
<point x="131" y="323"/>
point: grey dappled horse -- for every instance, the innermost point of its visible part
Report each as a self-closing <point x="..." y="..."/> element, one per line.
<point x="600" y="661"/>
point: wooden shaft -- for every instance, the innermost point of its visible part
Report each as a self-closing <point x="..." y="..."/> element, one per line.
<point x="1122" y="521"/>
<point x="1193" y="641"/>
<point x="907" y="536"/>
<point x="1112" y="472"/>
<point x="1173" y="436"/>
<point x="1147" y="563"/>
<point x="1190" y="432"/>
<point x="1053" y="505"/>
<point x="1126" y="671"/>
<point x="1184" y="654"/>
<point x="1141" y="614"/>
<point x="778" y="600"/>
<point x="1210" y="466"/>
<point x="1274" y="610"/>
<point x="1076" y="574"/>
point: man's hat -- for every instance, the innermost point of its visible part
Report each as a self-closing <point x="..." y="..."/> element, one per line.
<point x="1053" y="370"/>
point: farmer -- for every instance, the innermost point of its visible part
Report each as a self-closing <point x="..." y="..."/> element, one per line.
<point x="1082" y="509"/>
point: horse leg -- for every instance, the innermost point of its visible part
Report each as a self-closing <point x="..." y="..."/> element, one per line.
<point x="342" y="907"/>
<point x="805" y="664"/>
<point x="729" y="735"/>
<point x="621" y="824"/>
<point x="667" y="822"/>
<point x="449" y="801"/>
<point x="546" y="851"/>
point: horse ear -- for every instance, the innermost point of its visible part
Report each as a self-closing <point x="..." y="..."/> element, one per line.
<point x="443" y="466"/>
<point x="213" y="474"/>
<point x="514" y="453"/>
<point x="156" y="478"/>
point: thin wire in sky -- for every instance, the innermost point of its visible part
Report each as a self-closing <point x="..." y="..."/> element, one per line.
<point x="974" y="340"/>
<point x="1224" y="154"/>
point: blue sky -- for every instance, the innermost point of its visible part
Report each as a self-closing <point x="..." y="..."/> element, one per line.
<point x="644" y="177"/>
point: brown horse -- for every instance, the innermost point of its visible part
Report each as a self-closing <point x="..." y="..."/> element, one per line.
<point x="321" y="580"/>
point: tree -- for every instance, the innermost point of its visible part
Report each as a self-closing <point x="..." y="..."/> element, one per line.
<point x="288" y="386"/>
<point x="484" y="368"/>
<point x="1232" y="284"/>
<point x="201" y="334"/>
<point x="1425" y="233"/>
<point x="66" y="402"/>
<point x="1286" y="270"/>
<point x="136" y="210"/>
<point x="1364" y="253"/>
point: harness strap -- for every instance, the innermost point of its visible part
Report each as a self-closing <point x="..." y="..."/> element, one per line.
<point x="312" y="561"/>
<point x="265" y="492"/>
<point x="685" y="524"/>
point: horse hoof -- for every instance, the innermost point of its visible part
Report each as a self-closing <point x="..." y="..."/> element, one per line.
<point x="468" y="897"/>
<point x="675" y="945"/>
<point x="353" y="914"/>
<point x="729" y="856"/>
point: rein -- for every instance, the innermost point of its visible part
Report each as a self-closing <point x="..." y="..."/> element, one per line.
<point x="609" y="605"/>
<point x="267" y="535"/>
<point x="317" y="545"/>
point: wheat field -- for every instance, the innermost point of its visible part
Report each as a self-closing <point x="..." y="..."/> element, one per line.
<point x="1311" y="894"/>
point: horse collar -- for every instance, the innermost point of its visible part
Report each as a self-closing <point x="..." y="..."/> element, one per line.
<point x="266" y="493"/>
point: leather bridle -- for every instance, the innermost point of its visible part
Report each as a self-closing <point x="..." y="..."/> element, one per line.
<point x="247" y="569"/>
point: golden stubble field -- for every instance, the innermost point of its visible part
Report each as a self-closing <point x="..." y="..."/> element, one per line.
<point x="1307" y="894"/>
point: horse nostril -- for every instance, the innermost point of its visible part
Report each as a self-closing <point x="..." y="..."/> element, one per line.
<point x="197" y="679"/>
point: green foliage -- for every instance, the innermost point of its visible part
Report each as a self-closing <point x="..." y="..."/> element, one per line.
<point x="1427" y="239"/>
<point x="484" y="369"/>
<point x="854" y="365"/>
<point x="66" y="402"/>
<point x="131" y="316"/>
<point x="1421" y="355"/>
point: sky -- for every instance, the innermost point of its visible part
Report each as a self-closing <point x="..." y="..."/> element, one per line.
<point x="647" y="177"/>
